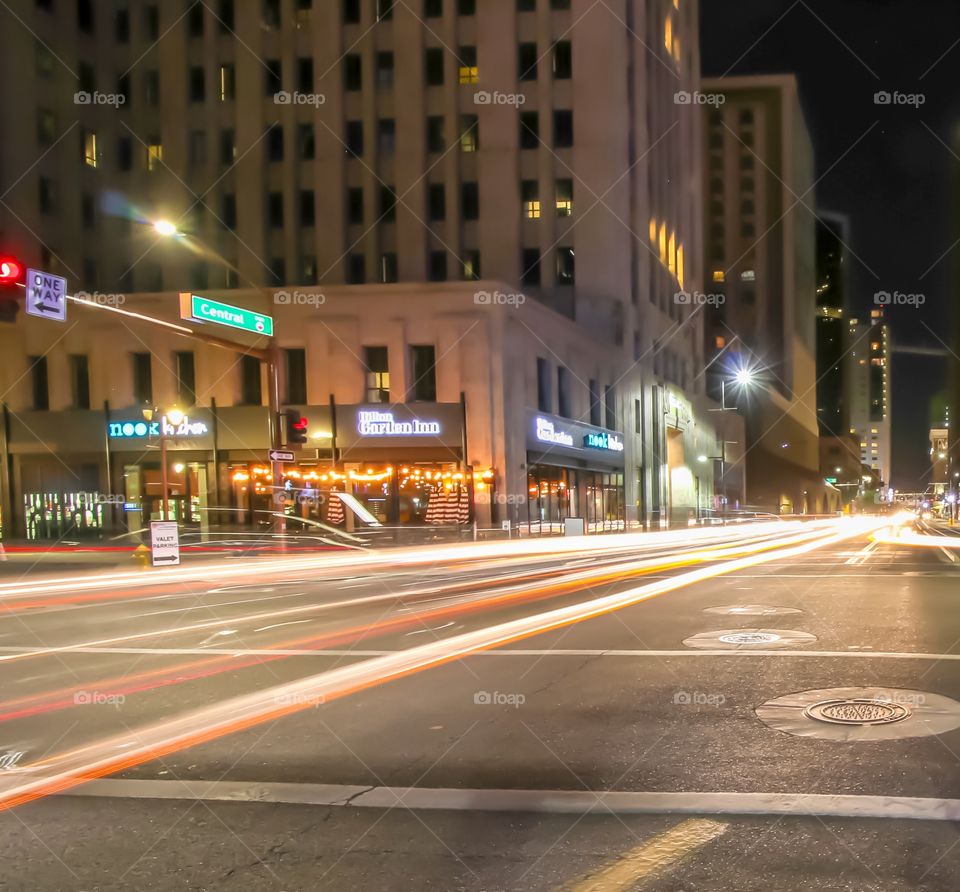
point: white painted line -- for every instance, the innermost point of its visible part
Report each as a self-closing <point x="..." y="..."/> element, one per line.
<point x="862" y="556"/>
<point x="538" y="801"/>
<point x="504" y="652"/>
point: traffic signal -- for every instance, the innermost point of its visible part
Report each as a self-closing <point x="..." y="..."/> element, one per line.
<point x="11" y="278"/>
<point x="296" y="428"/>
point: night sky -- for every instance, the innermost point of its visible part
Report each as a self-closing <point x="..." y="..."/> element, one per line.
<point x="893" y="180"/>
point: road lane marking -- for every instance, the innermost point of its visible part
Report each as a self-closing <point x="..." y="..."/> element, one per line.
<point x="862" y="556"/>
<point x="654" y="856"/>
<point x="503" y="652"/>
<point x="571" y="802"/>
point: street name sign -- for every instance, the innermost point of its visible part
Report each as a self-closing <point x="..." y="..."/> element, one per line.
<point x="46" y="296"/>
<point x="203" y="309"/>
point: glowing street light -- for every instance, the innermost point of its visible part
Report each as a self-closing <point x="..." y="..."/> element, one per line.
<point x="744" y="377"/>
<point x="174" y="416"/>
<point x="165" y="228"/>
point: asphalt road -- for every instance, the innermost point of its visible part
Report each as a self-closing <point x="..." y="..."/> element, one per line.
<point x="490" y="718"/>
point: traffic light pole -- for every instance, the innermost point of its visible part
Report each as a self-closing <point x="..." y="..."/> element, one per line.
<point x="276" y="436"/>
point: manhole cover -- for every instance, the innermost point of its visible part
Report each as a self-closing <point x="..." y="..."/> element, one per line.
<point x="858" y="715"/>
<point x="752" y="610"/>
<point x="857" y="712"/>
<point x="749" y="638"/>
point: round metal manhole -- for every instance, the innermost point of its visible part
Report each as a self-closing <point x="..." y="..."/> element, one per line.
<point x="861" y="714"/>
<point x="857" y="712"/>
<point x="749" y="638"/>
<point x="752" y="610"/>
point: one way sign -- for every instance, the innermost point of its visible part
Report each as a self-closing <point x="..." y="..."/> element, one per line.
<point x="46" y="295"/>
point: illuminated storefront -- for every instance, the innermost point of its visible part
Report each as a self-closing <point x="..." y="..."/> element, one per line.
<point x="573" y="470"/>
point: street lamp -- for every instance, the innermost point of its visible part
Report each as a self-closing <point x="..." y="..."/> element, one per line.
<point x="722" y="458"/>
<point x="165" y="228"/>
<point x="174" y="416"/>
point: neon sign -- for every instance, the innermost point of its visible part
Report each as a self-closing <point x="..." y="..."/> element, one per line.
<point x="603" y="440"/>
<point x="548" y="433"/>
<point x="129" y="430"/>
<point x="382" y="424"/>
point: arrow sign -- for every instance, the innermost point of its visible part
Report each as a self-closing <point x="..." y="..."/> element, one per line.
<point x="46" y="295"/>
<point x="281" y="455"/>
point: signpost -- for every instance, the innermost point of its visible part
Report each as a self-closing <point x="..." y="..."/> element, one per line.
<point x="164" y="543"/>
<point x="203" y="309"/>
<point x="46" y="296"/>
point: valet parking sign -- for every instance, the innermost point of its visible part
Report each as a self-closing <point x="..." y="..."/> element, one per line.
<point x="164" y="543"/>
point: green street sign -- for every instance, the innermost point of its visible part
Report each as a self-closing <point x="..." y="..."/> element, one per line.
<point x="203" y="309"/>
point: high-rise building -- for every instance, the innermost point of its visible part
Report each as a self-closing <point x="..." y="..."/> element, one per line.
<point x="832" y="287"/>
<point x="541" y="148"/>
<point x="760" y="255"/>
<point x="868" y="389"/>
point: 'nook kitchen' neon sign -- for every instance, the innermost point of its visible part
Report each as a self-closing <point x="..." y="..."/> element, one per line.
<point x="126" y="430"/>
<point x="383" y="424"/>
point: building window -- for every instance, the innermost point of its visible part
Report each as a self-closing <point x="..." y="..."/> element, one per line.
<point x="436" y="142"/>
<point x="47" y="195"/>
<point x="562" y="129"/>
<point x="530" y="266"/>
<point x="271" y="13"/>
<point x="565" y="266"/>
<point x="384" y="10"/>
<point x="386" y="136"/>
<point x="563" y="392"/>
<point x="305" y="75"/>
<point x="186" y="377"/>
<point x="121" y="26"/>
<point x="470" y="201"/>
<point x="469" y="73"/>
<point x="306" y="144"/>
<point x="596" y="403"/>
<point x="544" y="394"/>
<point x="351" y="12"/>
<point x="80" y="381"/>
<point x="356" y="269"/>
<point x="195" y="19"/>
<point x="196" y="84"/>
<point x="278" y="270"/>
<point x="352" y="72"/>
<point x="228" y="83"/>
<point x="354" y="141"/>
<point x="355" y="206"/>
<point x="225" y="15"/>
<point x="154" y="154"/>
<point x="564" y="190"/>
<point x="610" y="407"/>
<point x="529" y="130"/>
<point x="275" y="210"/>
<point x="432" y="9"/>
<point x="296" y="376"/>
<point x="388" y="204"/>
<point x="251" y="390"/>
<point x="437" y="271"/>
<point x="308" y="212"/>
<point x="88" y="211"/>
<point x="530" y="195"/>
<point x="437" y="202"/>
<point x="197" y="148"/>
<point x="562" y="60"/>
<point x="228" y="211"/>
<point x="423" y="368"/>
<point x="273" y="78"/>
<point x="384" y="70"/>
<point x="151" y="22"/>
<point x="377" y="375"/>
<point x="85" y="15"/>
<point x="142" y="379"/>
<point x="467" y="7"/>
<point x="275" y="143"/>
<point x="469" y="133"/>
<point x="40" y="382"/>
<point x="433" y="66"/>
<point x="90" y="148"/>
<point x="471" y="265"/>
<point x="527" y="62"/>
<point x="388" y="268"/>
<point x="46" y="127"/>
<point x="228" y="146"/>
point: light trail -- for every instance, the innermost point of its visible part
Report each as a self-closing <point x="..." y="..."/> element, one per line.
<point x="59" y="772"/>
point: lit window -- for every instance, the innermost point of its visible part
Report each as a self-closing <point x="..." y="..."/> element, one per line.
<point x="227" y="83"/>
<point x="90" y="148"/>
<point x="672" y="253"/>
<point x="469" y="133"/>
<point x="668" y="33"/>
<point x="154" y="155"/>
<point x="681" y="275"/>
<point x="748" y="275"/>
<point x="564" y="198"/>
<point x="719" y="275"/>
<point x="653" y="231"/>
<point x="720" y="342"/>
<point x="676" y="50"/>
<point x="662" y="241"/>
<point x="469" y="73"/>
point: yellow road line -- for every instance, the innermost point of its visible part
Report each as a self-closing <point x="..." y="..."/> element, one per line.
<point x="658" y="854"/>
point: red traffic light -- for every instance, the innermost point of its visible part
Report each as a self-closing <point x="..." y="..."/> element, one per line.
<point x="297" y="428"/>
<point x="11" y="271"/>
